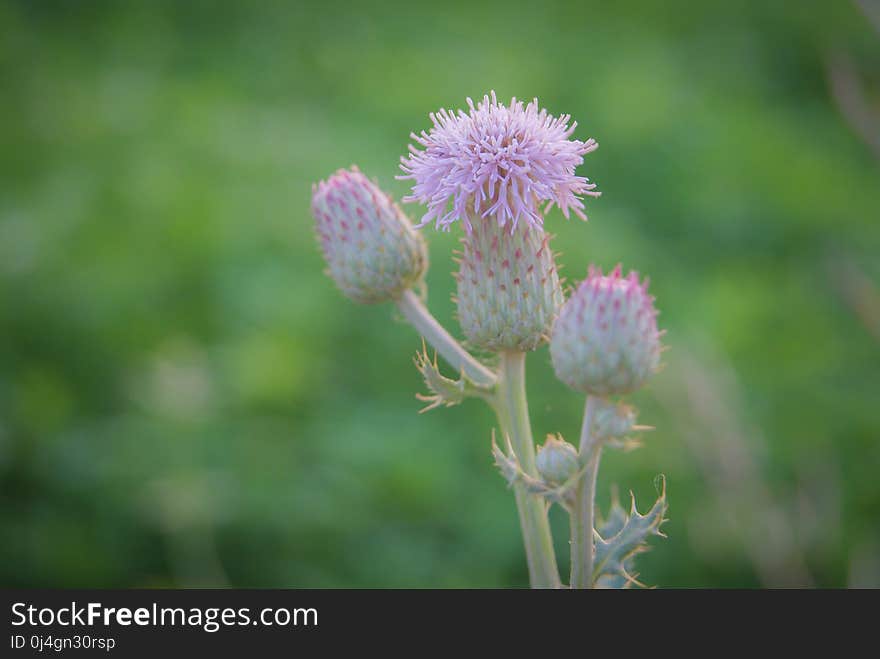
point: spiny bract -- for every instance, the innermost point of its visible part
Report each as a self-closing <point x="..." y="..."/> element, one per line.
<point x="508" y="287"/>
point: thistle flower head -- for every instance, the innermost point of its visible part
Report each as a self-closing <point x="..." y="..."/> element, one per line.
<point x="508" y="290"/>
<point x="497" y="160"/>
<point x="605" y="340"/>
<point x="372" y="251"/>
<point x="557" y="461"/>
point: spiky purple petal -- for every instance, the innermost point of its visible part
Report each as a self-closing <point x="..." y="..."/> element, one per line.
<point x="503" y="161"/>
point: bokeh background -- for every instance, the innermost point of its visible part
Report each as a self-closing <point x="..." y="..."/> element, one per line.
<point x="186" y="400"/>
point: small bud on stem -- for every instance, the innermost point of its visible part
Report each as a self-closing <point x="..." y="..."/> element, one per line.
<point x="557" y="461"/>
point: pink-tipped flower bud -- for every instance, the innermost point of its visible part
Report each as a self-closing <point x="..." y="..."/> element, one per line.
<point x="508" y="286"/>
<point x="605" y="340"/>
<point x="557" y="461"/>
<point x="373" y="253"/>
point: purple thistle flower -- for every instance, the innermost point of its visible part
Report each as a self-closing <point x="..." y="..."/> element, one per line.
<point x="497" y="160"/>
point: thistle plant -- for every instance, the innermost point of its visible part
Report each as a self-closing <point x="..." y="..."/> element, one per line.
<point x="496" y="171"/>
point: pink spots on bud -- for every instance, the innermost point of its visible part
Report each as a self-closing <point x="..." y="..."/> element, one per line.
<point x="604" y="353"/>
<point x="511" y="302"/>
<point x="370" y="247"/>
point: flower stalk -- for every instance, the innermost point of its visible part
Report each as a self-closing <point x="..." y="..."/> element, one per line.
<point x="414" y="310"/>
<point x="511" y="407"/>
<point x="513" y="415"/>
<point x="582" y="523"/>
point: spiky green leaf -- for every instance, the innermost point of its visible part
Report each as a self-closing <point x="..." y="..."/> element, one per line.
<point x="445" y="391"/>
<point x="621" y="537"/>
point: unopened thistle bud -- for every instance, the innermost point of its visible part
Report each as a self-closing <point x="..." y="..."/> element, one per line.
<point x="508" y="286"/>
<point x="611" y="420"/>
<point x="557" y="461"/>
<point x="373" y="253"/>
<point x="605" y="340"/>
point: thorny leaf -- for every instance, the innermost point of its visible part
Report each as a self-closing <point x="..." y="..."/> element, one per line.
<point x="445" y="391"/>
<point x="623" y="536"/>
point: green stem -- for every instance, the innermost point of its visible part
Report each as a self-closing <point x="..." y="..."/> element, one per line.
<point x="513" y="415"/>
<point x="585" y="503"/>
<point x="414" y="310"/>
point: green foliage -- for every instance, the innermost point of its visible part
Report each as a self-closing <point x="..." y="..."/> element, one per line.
<point x="445" y="391"/>
<point x="621" y="537"/>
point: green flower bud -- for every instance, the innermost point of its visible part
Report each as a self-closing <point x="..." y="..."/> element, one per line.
<point x="373" y="253"/>
<point x="557" y="461"/>
<point x="508" y="286"/>
<point x="606" y="340"/>
<point x="612" y="420"/>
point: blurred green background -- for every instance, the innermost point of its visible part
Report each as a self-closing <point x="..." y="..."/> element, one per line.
<point x="185" y="399"/>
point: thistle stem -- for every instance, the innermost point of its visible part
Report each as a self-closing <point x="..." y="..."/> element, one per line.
<point x="512" y="409"/>
<point x="414" y="310"/>
<point x="513" y="415"/>
<point x="585" y="503"/>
